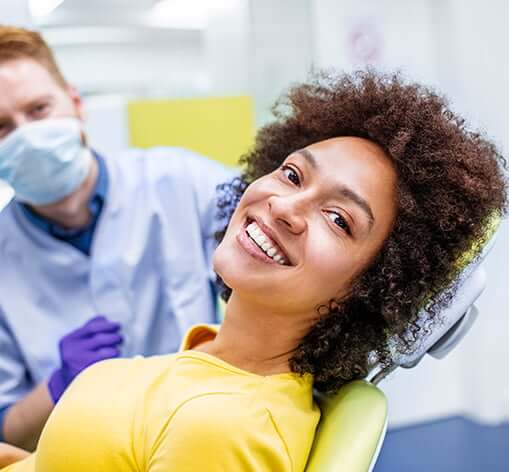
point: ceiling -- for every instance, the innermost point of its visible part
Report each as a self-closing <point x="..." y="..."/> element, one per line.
<point x="77" y="22"/>
<point x="98" y="12"/>
<point x="177" y="14"/>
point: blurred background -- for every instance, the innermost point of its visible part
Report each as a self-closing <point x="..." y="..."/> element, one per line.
<point x="204" y="74"/>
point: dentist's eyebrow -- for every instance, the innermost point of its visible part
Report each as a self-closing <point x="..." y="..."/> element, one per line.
<point x="38" y="99"/>
<point x="344" y="191"/>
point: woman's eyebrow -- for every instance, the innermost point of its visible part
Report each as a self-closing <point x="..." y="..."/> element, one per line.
<point x="343" y="190"/>
<point x="306" y="154"/>
<point x="349" y="194"/>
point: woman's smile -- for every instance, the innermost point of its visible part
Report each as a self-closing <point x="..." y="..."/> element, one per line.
<point x="254" y="240"/>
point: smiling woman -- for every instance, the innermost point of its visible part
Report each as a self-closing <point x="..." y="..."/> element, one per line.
<point x="328" y="209"/>
<point x="376" y="188"/>
<point x="353" y="210"/>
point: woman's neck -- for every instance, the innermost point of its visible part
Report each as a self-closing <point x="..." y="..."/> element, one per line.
<point x="258" y="341"/>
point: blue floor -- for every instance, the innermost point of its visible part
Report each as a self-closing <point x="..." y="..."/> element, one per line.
<point x="450" y="445"/>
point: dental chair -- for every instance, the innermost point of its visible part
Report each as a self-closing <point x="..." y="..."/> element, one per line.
<point x="354" y="422"/>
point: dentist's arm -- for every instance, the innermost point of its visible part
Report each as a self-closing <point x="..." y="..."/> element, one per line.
<point x="95" y="341"/>
<point x="11" y="454"/>
<point x="24" y="420"/>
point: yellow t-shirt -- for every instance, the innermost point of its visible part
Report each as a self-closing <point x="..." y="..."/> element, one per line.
<point x="185" y="412"/>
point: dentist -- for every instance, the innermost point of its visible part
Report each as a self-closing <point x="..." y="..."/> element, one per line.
<point x="100" y="256"/>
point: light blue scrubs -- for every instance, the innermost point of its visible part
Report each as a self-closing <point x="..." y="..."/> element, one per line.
<point x="149" y="266"/>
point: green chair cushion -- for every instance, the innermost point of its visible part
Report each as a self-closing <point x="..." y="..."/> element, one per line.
<point x="350" y="430"/>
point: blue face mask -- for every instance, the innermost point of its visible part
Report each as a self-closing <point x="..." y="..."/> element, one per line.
<point x="44" y="161"/>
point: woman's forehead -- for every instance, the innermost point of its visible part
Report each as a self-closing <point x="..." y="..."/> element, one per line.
<point x="348" y="146"/>
<point x="351" y="161"/>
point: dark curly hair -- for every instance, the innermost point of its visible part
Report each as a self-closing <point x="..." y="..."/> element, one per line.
<point x="450" y="181"/>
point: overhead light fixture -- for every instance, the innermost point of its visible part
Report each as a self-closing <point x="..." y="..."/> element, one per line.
<point x="43" y="7"/>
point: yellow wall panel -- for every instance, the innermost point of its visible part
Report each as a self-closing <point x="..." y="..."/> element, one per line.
<point x="220" y="128"/>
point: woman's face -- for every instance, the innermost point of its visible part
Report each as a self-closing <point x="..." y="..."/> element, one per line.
<point x="301" y="234"/>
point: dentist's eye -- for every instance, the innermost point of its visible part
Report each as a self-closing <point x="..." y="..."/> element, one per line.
<point x="40" y="110"/>
<point x="290" y="174"/>
<point x="338" y="220"/>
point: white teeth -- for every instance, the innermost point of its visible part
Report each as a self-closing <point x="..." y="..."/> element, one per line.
<point x="264" y="243"/>
<point x="260" y="240"/>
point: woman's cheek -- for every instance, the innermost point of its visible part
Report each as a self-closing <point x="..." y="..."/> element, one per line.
<point x="335" y="263"/>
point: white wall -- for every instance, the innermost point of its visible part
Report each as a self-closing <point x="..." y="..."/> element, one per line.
<point x="226" y="48"/>
<point x="106" y="123"/>
<point x="280" y="49"/>
<point x="148" y="64"/>
<point x="388" y="34"/>
<point x="15" y="13"/>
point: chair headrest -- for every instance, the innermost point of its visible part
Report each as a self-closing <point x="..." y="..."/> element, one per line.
<point x="456" y="319"/>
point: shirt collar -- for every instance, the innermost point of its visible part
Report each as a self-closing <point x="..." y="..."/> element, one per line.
<point x="198" y="334"/>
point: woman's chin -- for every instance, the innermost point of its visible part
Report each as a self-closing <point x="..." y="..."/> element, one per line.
<point x="248" y="285"/>
<point x="249" y="275"/>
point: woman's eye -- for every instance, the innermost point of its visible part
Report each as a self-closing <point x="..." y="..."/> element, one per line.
<point x="291" y="175"/>
<point x="338" y="220"/>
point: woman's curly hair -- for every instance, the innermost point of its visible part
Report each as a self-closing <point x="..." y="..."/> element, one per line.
<point x="450" y="181"/>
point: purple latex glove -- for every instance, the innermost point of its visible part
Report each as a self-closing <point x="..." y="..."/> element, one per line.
<point x="96" y="340"/>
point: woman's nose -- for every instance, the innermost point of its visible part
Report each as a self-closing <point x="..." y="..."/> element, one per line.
<point x="288" y="211"/>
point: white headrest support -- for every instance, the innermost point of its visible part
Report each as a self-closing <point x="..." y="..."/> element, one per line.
<point x="455" y="320"/>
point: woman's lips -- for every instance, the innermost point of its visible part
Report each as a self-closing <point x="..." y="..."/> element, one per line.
<point x="269" y="235"/>
<point x="252" y="248"/>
